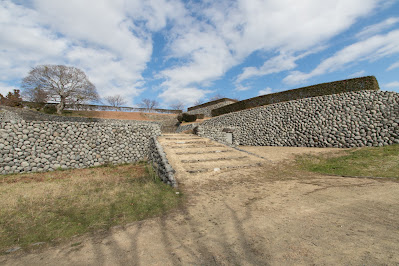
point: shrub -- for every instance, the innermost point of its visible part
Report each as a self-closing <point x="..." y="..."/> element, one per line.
<point x="200" y="116"/>
<point x="180" y="118"/>
<point x="36" y="106"/>
<point x="189" y="117"/>
<point x="50" y="109"/>
<point x="12" y="99"/>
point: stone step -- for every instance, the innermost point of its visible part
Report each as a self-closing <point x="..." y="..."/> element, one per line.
<point x="202" y="157"/>
<point x="187" y="142"/>
<point x="220" y="163"/>
<point x="192" y="146"/>
<point x="217" y="169"/>
<point x="214" y="159"/>
<point x="177" y="135"/>
<point x="182" y="139"/>
<point x="203" y="152"/>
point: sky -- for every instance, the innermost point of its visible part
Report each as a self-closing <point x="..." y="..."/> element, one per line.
<point x="176" y="51"/>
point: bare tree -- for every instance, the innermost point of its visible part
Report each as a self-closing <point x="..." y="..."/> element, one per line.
<point x="61" y="83"/>
<point x="11" y="99"/>
<point x="115" y="101"/>
<point x="149" y="104"/>
<point x="198" y="102"/>
<point x="36" y="95"/>
<point x="216" y="97"/>
<point x="177" y="106"/>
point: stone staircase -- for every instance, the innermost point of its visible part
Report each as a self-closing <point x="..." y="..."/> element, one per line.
<point x="196" y="158"/>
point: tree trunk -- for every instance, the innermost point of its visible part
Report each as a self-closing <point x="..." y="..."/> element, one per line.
<point x="61" y="105"/>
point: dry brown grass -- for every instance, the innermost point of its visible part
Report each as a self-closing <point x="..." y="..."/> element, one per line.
<point x="48" y="207"/>
<point x="119" y="115"/>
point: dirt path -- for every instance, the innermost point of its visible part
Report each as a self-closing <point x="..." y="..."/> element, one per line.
<point x="281" y="154"/>
<point x="268" y="215"/>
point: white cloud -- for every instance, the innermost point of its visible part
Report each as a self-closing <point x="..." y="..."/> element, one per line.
<point x="112" y="40"/>
<point x="267" y="90"/>
<point x="100" y="37"/>
<point x="370" y="49"/>
<point x="377" y="28"/>
<point x="24" y="42"/>
<point x="156" y="13"/>
<point x="242" y="88"/>
<point x="276" y="64"/>
<point x="5" y="88"/>
<point x="393" y="66"/>
<point x="222" y="34"/>
<point x="394" y="84"/>
<point x="110" y="74"/>
<point x="187" y="95"/>
<point x="357" y="74"/>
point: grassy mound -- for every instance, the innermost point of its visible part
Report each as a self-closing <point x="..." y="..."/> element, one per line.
<point x="370" y="162"/>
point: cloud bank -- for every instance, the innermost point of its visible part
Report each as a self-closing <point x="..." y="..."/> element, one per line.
<point x="114" y="41"/>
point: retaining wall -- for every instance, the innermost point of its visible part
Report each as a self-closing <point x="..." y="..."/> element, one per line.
<point x="352" y="119"/>
<point x="182" y="128"/>
<point x="207" y="108"/>
<point x="91" y="107"/>
<point x="349" y="85"/>
<point x="36" y="146"/>
<point x="157" y="156"/>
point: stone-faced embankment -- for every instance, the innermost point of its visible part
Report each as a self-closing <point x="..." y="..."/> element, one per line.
<point x="329" y="88"/>
<point x="182" y="128"/>
<point x="30" y="146"/>
<point x="206" y="108"/>
<point x="352" y="119"/>
<point x="157" y="156"/>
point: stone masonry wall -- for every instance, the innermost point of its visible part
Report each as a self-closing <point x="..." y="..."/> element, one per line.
<point x="207" y="109"/>
<point x="182" y="128"/>
<point x="157" y="156"/>
<point x="36" y="146"/>
<point x="351" y="119"/>
<point x="329" y="88"/>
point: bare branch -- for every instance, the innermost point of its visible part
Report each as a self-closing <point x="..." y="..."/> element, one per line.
<point x="149" y="104"/>
<point x="60" y="83"/>
<point x="216" y="97"/>
<point x="198" y="102"/>
<point x="177" y="106"/>
<point x="116" y="100"/>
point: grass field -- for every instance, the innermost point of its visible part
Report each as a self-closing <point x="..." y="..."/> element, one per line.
<point x="369" y="162"/>
<point x="54" y="206"/>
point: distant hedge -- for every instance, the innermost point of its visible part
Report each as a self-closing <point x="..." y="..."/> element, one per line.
<point x="210" y="103"/>
<point x="356" y="84"/>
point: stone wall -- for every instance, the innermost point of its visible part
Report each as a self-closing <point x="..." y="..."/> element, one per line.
<point x="329" y="88"/>
<point x="220" y="134"/>
<point x="36" y="146"/>
<point x="182" y="128"/>
<point x="157" y="156"/>
<point x="92" y="107"/>
<point x="13" y="113"/>
<point x="352" y="119"/>
<point x="207" y="108"/>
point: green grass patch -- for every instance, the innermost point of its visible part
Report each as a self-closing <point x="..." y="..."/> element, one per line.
<point x="54" y="206"/>
<point x="368" y="161"/>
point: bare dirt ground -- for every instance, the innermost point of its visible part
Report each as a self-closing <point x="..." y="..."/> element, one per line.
<point x="268" y="215"/>
<point x="280" y="154"/>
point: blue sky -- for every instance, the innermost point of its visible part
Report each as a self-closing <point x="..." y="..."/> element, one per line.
<point x="184" y="51"/>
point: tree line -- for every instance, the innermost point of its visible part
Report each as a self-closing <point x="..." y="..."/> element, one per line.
<point x="68" y="85"/>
